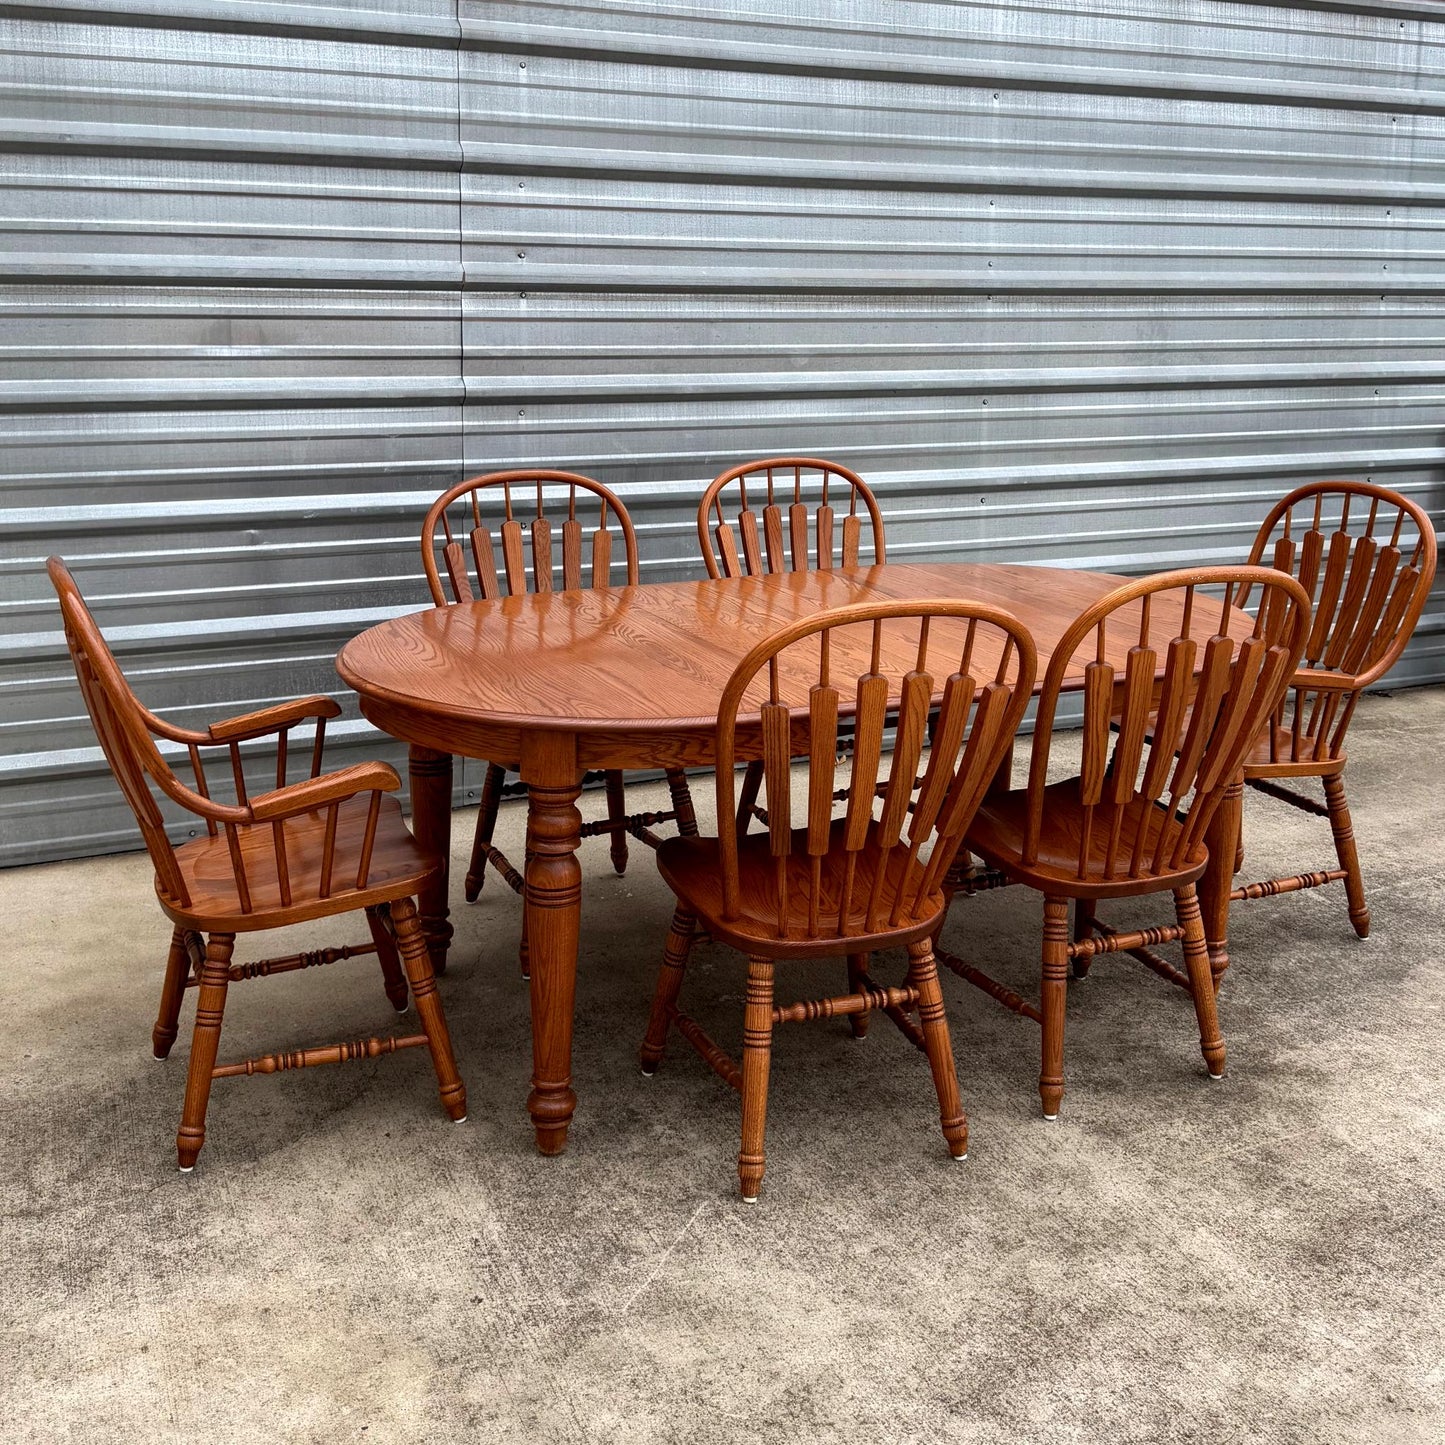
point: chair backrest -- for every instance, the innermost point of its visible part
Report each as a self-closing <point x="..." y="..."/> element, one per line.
<point x="881" y="664"/>
<point x="1181" y="739"/>
<point x="126" y="731"/>
<point x="1366" y="557"/>
<point x="812" y="538"/>
<point x="523" y="525"/>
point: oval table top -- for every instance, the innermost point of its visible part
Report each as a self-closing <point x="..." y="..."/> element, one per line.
<point x="656" y="657"/>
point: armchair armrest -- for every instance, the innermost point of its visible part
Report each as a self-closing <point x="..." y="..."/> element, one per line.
<point x="272" y="719"/>
<point x="1322" y="680"/>
<point x="314" y="793"/>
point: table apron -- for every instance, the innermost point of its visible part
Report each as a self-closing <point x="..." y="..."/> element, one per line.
<point x="597" y="749"/>
<point x="493" y="743"/>
<point x="497" y="742"/>
<point x="648" y="750"/>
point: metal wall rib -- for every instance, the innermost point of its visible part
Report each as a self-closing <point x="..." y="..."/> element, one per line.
<point x="1087" y="283"/>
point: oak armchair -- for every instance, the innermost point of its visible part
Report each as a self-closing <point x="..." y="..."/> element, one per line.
<point x="329" y="844"/>
<point x="1366" y="557"/>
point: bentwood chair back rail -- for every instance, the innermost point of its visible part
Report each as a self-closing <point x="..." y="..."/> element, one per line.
<point x="330" y="844"/>
<point x="815" y="885"/>
<point x="458" y="545"/>
<point x="814" y="536"/>
<point x="1134" y="820"/>
<point x="1366" y="557"/>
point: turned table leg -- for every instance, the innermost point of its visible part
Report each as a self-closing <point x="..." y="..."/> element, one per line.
<point x="431" y="822"/>
<point x="553" y="904"/>
<point x="1222" y="840"/>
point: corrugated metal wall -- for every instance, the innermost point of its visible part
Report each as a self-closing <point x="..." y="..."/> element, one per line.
<point x="1069" y="281"/>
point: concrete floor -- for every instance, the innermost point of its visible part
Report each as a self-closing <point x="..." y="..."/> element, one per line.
<point x="1255" y="1261"/>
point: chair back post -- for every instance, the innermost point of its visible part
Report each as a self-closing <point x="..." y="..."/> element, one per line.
<point x="466" y="562"/>
<point x="1366" y="557"/>
<point x="979" y="661"/>
<point x="777" y="539"/>
<point x="1179" y="741"/>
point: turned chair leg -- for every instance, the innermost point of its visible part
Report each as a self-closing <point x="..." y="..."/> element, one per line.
<point x="210" y="1005"/>
<point x="393" y="979"/>
<point x="173" y="991"/>
<point x="857" y="969"/>
<point x="1053" y="997"/>
<point x="1201" y="980"/>
<point x="680" y="938"/>
<point x="682" y="802"/>
<point x="416" y="958"/>
<point x="1344" y="831"/>
<point x="1082" y="931"/>
<point x="486" y="826"/>
<point x="617" y="814"/>
<point x="923" y="975"/>
<point x="757" y="1055"/>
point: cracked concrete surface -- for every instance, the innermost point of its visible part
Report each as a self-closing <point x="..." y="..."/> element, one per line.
<point x="1257" y="1261"/>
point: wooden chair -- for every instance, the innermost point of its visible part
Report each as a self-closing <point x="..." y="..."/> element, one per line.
<point x="1366" y="556"/>
<point x="752" y="544"/>
<point x="872" y="879"/>
<point x="501" y="569"/>
<point x="1133" y="822"/>
<point x="749" y="544"/>
<point x="327" y="845"/>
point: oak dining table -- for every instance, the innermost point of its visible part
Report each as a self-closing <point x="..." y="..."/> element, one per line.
<point x="555" y="684"/>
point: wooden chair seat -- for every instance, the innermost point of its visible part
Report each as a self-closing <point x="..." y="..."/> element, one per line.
<point x="398" y="869"/>
<point x="1001" y="825"/>
<point x="1271" y="757"/>
<point x="692" y="868"/>
<point x="1273" y="754"/>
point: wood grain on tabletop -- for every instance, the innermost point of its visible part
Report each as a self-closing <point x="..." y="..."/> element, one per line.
<point x="660" y="655"/>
